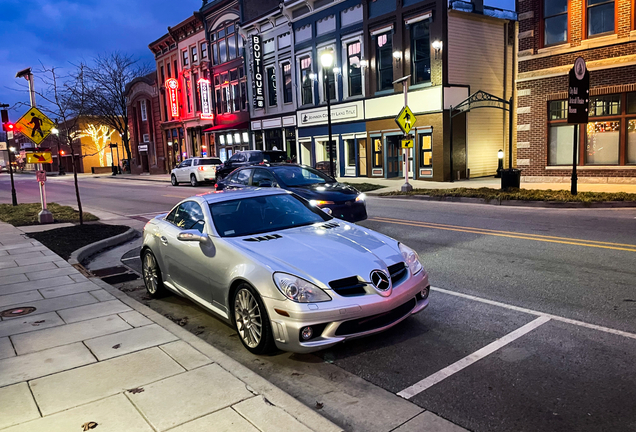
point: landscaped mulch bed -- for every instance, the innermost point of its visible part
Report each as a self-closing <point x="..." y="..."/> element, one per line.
<point x="27" y="214"/>
<point x="64" y="241"/>
<point x="521" y="195"/>
<point x="365" y="187"/>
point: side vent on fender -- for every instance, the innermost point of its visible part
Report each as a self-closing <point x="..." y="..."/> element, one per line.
<point x="330" y="225"/>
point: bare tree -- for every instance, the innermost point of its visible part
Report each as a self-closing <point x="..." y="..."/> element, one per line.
<point x="65" y="99"/>
<point x="107" y="77"/>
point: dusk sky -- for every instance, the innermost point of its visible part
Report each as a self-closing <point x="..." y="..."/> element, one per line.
<point x="56" y="32"/>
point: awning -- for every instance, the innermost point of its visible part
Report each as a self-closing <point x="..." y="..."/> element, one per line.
<point x="231" y="126"/>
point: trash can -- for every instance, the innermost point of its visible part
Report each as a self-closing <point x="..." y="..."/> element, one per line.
<point x="510" y="179"/>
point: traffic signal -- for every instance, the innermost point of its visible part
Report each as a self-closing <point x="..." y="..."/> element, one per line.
<point x="6" y="125"/>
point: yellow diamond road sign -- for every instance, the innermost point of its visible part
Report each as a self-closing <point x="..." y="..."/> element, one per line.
<point x="405" y="120"/>
<point x="35" y="125"/>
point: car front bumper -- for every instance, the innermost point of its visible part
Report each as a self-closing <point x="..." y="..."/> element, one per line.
<point x="344" y="317"/>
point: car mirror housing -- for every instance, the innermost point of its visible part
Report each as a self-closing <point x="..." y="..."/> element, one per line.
<point x="326" y="210"/>
<point x="192" y="236"/>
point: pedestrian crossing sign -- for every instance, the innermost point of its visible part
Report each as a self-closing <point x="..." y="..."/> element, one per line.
<point x="405" y="120"/>
<point x="35" y="125"/>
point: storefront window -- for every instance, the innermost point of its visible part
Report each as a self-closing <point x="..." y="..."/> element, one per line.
<point x="350" y="145"/>
<point x="605" y="105"/>
<point x="290" y="144"/>
<point x="384" y="61"/>
<point x="600" y="17"/>
<point x="561" y="143"/>
<point x="555" y="22"/>
<point x="258" y="140"/>
<point x="274" y="139"/>
<point x="421" y="52"/>
<point x="426" y="151"/>
<point x="354" y="73"/>
<point x="377" y="152"/>
<point x="630" y="156"/>
<point x="560" y="134"/>
<point x="603" y="142"/>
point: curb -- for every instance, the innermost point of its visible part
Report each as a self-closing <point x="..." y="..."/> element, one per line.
<point x="273" y="394"/>
<point x="140" y="178"/>
<point x="518" y="203"/>
<point x="84" y="252"/>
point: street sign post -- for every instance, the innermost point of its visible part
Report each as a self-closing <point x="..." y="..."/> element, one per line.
<point x="405" y="120"/>
<point x="578" y="107"/>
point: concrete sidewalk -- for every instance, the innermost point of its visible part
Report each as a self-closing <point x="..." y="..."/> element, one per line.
<point x="88" y="354"/>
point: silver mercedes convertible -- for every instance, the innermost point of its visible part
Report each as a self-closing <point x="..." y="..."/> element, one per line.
<point x="283" y="272"/>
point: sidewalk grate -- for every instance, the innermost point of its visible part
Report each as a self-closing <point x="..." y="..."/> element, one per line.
<point x="19" y="311"/>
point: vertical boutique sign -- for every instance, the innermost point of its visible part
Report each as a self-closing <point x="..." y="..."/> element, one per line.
<point x="204" y="90"/>
<point x="173" y="98"/>
<point x="257" y="68"/>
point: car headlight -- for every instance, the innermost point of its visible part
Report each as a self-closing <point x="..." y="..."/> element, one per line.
<point x="299" y="290"/>
<point x="411" y="258"/>
<point x="361" y="197"/>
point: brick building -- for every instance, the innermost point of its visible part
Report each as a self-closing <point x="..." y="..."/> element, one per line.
<point x="147" y="145"/>
<point x="552" y="34"/>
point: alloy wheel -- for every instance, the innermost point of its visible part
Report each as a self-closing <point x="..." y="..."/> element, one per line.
<point x="150" y="273"/>
<point x="247" y="315"/>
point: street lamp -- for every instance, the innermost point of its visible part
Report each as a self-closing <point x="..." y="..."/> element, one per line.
<point x="326" y="59"/>
<point x="500" y="156"/>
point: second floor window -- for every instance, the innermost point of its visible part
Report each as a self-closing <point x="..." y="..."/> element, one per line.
<point x="195" y="57"/>
<point x="600" y="17"/>
<point x="188" y="90"/>
<point x="204" y="50"/>
<point x="421" y="52"/>
<point x="307" y="81"/>
<point x="271" y="86"/>
<point x="384" y="61"/>
<point x="185" y="58"/>
<point x="555" y="24"/>
<point x="230" y="89"/>
<point x="354" y="74"/>
<point x="287" y="82"/>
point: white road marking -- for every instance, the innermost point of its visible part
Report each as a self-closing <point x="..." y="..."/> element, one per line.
<point x="541" y="314"/>
<point x="448" y="371"/>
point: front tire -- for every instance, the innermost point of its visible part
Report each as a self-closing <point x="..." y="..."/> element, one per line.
<point x="193" y="180"/>
<point x="152" y="275"/>
<point x="251" y="321"/>
<point x="173" y="180"/>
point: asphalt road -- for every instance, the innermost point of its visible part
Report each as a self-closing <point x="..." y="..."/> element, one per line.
<point x="531" y="324"/>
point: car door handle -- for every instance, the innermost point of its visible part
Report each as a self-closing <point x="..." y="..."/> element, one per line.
<point x="164" y="240"/>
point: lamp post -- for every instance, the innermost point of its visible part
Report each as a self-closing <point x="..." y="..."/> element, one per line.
<point x="500" y="156"/>
<point x="326" y="59"/>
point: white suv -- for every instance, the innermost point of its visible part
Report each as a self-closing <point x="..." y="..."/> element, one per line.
<point x="195" y="170"/>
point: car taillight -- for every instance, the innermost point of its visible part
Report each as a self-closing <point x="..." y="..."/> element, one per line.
<point x="200" y="168"/>
<point x="216" y="185"/>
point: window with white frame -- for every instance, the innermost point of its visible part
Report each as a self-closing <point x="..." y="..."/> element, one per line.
<point x="384" y="61"/>
<point x="307" y="82"/>
<point x="195" y="56"/>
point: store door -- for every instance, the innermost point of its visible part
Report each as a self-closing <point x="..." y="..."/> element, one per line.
<point x="393" y="156"/>
<point x="362" y="157"/>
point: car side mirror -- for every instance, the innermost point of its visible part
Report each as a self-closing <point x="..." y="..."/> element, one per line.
<point x="193" y="236"/>
<point x="326" y="210"/>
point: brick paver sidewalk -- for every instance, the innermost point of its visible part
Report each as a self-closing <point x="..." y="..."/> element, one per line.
<point x="88" y="354"/>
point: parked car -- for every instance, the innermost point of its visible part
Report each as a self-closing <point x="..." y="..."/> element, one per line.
<point x="343" y="201"/>
<point x="250" y="157"/>
<point x="283" y="272"/>
<point x="324" y="167"/>
<point x="195" y="171"/>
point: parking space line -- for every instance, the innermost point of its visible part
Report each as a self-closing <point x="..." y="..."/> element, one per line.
<point x="538" y="313"/>
<point x="448" y="371"/>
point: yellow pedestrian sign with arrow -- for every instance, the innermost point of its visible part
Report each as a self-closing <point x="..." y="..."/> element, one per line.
<point x="35" y="125"/>
<point x="405" y="120"/>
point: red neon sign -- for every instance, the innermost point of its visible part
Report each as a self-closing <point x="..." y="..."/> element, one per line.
<point x="206" y="106"/>
<point x="171" y="87"/>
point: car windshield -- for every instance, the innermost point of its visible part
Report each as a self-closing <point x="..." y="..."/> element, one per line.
<point x="263" y="214"/>
<point x="275" y="156"/>
<point x="301" y="176"/>
<point x="210" y="161"/>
